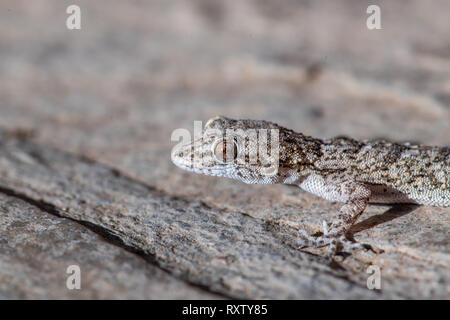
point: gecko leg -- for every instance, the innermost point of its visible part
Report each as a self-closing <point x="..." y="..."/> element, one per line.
<point x="356" y="196"/>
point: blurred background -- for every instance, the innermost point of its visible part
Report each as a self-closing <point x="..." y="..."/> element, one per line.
<point x="137" y="70"/>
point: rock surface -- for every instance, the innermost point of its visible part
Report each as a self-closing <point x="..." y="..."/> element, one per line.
<point x="37" y="248"/>
<point x="86" y="118"/>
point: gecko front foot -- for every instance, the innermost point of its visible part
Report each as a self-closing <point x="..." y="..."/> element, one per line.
<point x="326" y="239"/>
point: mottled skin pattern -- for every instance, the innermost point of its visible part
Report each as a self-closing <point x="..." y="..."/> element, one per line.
<point x="339" y="169"/>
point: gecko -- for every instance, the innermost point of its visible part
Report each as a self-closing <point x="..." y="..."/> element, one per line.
<point x="339" y="169"/>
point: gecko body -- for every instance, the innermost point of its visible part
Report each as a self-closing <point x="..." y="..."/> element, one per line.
<point x="339" y="169"/>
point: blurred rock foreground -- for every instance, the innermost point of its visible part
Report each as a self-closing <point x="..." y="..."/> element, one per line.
<point x="85" y="123"/>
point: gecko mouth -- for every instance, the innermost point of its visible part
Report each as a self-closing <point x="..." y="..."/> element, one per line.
<point x="210" y="171"/>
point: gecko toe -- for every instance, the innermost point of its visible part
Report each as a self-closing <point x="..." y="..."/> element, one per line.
<point x="354" y="245"/>
<point x="335" y="243"/>
<point x="311" y="241"/>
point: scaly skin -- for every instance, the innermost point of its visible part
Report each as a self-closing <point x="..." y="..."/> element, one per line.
<point x="339" y="169"/>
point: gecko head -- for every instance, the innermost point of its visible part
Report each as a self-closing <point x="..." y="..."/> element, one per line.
<point x="245" y="150"/>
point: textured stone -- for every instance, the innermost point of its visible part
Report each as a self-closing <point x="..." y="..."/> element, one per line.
<point x="36" y="248"/>
<point x="225" y="251"/>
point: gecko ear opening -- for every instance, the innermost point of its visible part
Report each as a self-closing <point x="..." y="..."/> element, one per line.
<point x="211" y="122"/>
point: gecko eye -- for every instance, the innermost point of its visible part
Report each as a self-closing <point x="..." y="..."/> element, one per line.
<point x="225" y="151"/>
